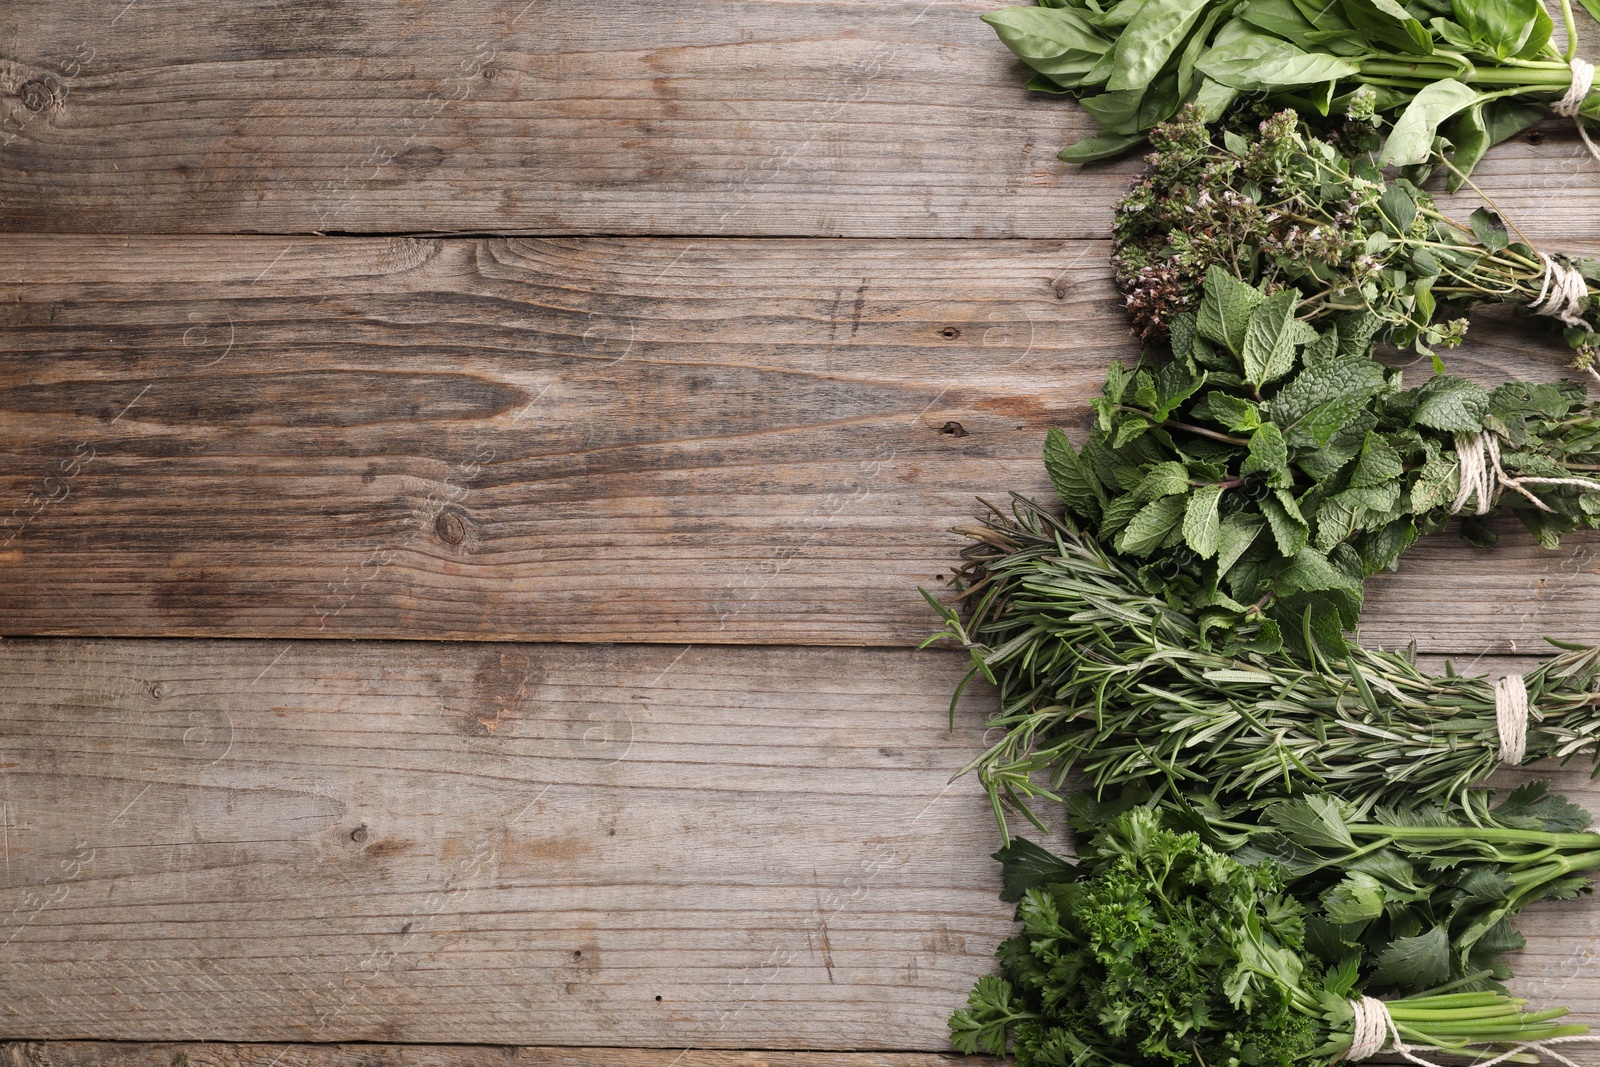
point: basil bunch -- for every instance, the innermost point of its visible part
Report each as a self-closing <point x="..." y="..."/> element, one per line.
<point x="1487" y="68"/>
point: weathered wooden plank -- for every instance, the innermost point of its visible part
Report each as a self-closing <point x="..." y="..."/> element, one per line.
<point x="213" y="1054"/>
<point x="592" y="440"/>
<point x="308" y="841"/>
<point x="564" y="845"/>
<point x="761" y="117"/>
<point x="726" y="441"/>
<point x="216" y="1054"/>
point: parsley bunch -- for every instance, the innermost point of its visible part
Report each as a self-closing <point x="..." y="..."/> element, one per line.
<point x="1160" y="950"/>
<point x="1287" y="211"/>
<point x="1424" y="896"/>
<point x="1118" y="679"/>
<point x="1480" y="71"/>
<point x="1271" y="466"/>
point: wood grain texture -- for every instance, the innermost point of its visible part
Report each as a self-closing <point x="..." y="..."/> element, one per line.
<point x="578" y="440"/>
<point x="317" y="841"/>
<point x="199" y="1054"/>
<point x="608" y="439"/>
<point x="663" y="117"/>
<point x="309" y="841"/>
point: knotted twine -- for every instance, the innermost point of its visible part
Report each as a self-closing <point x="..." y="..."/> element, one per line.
<point x="1482" y="477"/>
<point x="1577" y="93"/>
<point x="1562" y="293"/>
<point x="1374" y="1031"/>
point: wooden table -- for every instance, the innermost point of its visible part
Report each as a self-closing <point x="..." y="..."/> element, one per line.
<point x="469" y="469"/>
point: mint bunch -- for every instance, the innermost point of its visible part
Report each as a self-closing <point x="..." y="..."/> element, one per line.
<point x="1272" y="465"/>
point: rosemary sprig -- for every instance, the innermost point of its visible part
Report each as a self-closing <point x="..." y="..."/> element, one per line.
<point x="1106" y="677"/>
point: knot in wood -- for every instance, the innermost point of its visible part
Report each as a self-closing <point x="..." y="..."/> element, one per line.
<point x="450" y="528"/>
<point x="36" y="95"/>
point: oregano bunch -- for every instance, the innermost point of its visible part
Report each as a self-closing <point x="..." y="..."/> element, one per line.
<point x="1287" y="210"/>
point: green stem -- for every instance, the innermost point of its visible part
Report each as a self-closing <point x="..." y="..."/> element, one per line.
<point x="1491" y="835"/>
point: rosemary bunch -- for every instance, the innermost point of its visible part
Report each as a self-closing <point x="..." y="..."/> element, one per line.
<point x="1110" y="677"/>
<point x="1287" y="210"/>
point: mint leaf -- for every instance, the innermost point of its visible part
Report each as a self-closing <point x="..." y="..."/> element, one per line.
<point x="1163" y="479"/>
<point x="1233" y="412"/>
<point x="1202" y="527"/>
<point x="1269" y="455"/>
<point x="1289" y="528"/>
<point x="1270" y="339"/>
<point x="1454" y="405"/>
<point x="1146" y="530"/>
<point x="1324" y="399"/>
<point x="1076" y="486"/>
<point x="1237" y="534"/>
<point x="1436" y="484"/>
<point x="1311" y="572"/>
<point x="1225" y="309"/>
<point x="1378" y="464"/>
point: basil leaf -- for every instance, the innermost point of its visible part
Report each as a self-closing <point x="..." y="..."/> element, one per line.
<point x="1490" y="229"/>
<point x="1263" y="63"/>
<point x="1484" y="126"/>
<point x="1116" y="112"/>
<point x="1045" y="33"/>
<point x="1150" y="39"/>
<point x="1411" y="141"/>
<point x="1101" y="146"/>
<point x="1499" y="28"/>
<point x="1390" y="23"/>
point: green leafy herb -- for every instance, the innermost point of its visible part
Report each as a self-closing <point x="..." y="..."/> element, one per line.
<point x="1107" y="671"/>
<point x="1296" y="215"/>
<point x="1272" y="465"/>
<point x="1465" y="74"/>
<point x="1166" y="951"/>
<point x="1422" y="896"/>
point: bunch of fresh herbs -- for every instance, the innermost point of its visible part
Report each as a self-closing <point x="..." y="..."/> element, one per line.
<point x="1106" y="670"/>
<point x="1272" y="465"/>
<point x="1159" y="949"/>
<point x="1288" y="211"/>
<point x="1480" y="71"/>
<point x="1423" y="895"/>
